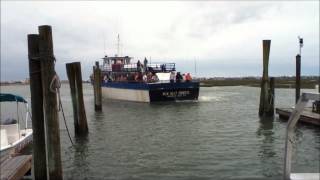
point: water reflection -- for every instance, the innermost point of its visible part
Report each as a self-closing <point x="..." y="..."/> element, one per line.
<point x="80" y="160"/>
<point x="267" y="149"/>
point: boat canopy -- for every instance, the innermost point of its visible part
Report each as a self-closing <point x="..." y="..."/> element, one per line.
<point x="4" y="97"/>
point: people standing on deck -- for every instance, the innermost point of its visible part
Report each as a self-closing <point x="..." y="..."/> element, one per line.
<point x="105" y="78"/>
<point x="130" y="77"/>
<point x="149" y="76"/>
<point x="179" y="77"/>
<point x="184" y="77"/>
<point x="163" y="68"/>
<point x="188" y="77"/>
<point x="172" y="77"/>
<point x="145" y="64"/>
<point x="144" y="78"/>
<point x="154" y="77"/>
<point x="139" y="66"/>
<point x="138" y="77"/>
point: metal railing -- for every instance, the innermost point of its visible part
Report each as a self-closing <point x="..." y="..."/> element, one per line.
<point x="133" y="67"/>
<point x="293" y="119"/>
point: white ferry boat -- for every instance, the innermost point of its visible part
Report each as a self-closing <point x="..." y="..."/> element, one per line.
<point x="144" y="82"/>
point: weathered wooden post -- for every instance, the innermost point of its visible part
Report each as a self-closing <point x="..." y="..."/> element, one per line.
<point x="39" y="144"/>
<point x="298" y="76"/>
<point x="97" y="87"/>
<point x="79" y="113"/>
<point x="270" y="111"/>
<point x="264" y="81"/>
<point x="48" y="75"/>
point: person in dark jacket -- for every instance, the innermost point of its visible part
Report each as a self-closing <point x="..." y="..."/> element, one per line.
<point x="178" y="77"/>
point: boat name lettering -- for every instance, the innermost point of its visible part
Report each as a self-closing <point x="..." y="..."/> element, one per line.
<point x="176" y="93"/>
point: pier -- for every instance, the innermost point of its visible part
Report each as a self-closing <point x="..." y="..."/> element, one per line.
<point x="15" y="167"/>
<point x="307" y="116"/>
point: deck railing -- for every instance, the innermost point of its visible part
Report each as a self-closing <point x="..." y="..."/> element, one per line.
<point x="293" y="119"/>
<point x="133" y="67"/>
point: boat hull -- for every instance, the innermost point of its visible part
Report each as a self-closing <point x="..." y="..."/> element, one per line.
<point x="151" y="92"/>
<point x="18" y="146"/>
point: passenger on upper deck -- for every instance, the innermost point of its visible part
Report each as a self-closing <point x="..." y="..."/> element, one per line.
<point x="163" y="67"/>
<point x="139" y="66"/>
<point x="145" y="64"/>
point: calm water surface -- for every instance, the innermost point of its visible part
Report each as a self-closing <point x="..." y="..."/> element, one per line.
<point x="218" y="137"/>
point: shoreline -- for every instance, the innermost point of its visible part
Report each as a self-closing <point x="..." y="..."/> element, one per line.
<point x="283" y="84"/>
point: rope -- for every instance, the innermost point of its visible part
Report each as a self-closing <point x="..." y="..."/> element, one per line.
<point x="271" y="99"/>
<point x="55" y="88"/>
<point x="64" y="118"/>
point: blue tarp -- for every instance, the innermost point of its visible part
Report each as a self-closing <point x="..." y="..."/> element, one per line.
<point x="11" y="97"/>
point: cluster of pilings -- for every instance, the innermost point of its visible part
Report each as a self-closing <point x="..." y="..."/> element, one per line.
<point x="266" y="107"/>
<point x="44" y="86"/>
<point x="45" y="123"/>
<point x="267" y="95"/>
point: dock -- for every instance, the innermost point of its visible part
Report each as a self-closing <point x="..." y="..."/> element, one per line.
<point x="307" y="115"/>
<point x="15" y="167"/>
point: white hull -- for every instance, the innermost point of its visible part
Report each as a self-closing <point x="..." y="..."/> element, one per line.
<point x="126" y="94"/>
<point x="17" y="142"/>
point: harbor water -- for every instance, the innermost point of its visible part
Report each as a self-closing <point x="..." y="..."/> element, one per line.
<point x="218" y="137"/>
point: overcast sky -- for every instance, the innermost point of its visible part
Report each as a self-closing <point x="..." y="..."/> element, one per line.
<point x="224" y="38"/>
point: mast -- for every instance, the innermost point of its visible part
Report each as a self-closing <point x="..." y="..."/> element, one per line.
<point x="104" y="45"/>
<point x="118" y="46"/>
<point x="195" y="67"/>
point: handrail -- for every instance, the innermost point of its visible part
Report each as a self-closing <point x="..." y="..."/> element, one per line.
<point x="293" y="119"/>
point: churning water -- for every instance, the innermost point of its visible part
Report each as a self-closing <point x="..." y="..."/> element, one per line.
<point x="218" y="137"/>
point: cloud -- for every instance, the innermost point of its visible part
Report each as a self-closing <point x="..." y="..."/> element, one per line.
<point x="215" y="33"/>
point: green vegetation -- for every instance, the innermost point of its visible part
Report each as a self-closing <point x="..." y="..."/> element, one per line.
<point x="307" y="82"/>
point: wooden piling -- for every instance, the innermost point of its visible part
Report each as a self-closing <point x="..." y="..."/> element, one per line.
<point x="50" y="103"/>
<point x="39" y="144"/>
<point x="97" y="87"/>
<point x="271" y="96"/>
<point x="79" y="113"/>
<point x="298" y="77"/>
<point x="264" y="95"/>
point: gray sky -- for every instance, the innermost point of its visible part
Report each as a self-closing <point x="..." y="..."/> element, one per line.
<point x="225" y="37"/>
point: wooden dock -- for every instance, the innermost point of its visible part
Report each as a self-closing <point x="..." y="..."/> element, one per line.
<point x="304" y="176"/>
<point x="15" y="167"/>
<point x="307" y="115"/>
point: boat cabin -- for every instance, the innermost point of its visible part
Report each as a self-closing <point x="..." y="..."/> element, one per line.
<point x="123" y="64"/>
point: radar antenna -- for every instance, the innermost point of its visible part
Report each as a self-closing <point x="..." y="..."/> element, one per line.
<point x="300" y="44"/>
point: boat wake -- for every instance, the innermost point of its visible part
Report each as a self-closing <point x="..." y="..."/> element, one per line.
<point x="209" y="98"/>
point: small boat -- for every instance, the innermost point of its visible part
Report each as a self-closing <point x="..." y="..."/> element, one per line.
<point x="144" y="82"/>
<point x="13" y="138"/>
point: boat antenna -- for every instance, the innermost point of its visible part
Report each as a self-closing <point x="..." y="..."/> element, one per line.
<point x="195" y="67"/>
<point x="104" y="44"/>
<point x="118" y="46"/>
